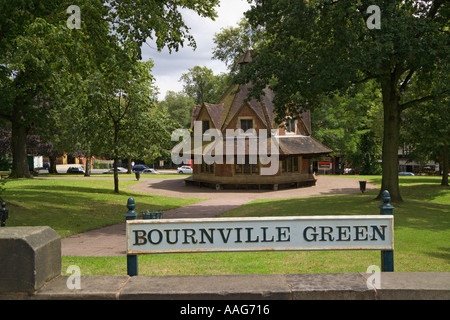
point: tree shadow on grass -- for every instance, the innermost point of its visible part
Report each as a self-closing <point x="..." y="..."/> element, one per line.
<point x="73" y="209"/>
<point x="427" y="192"/>
<point x="72" y="189"/>
<point x="441" y="253"/>
<point x="422" y="216"/>
<point x="419" y="180"/>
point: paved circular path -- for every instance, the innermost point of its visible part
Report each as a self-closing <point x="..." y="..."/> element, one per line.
<point x="110" y="241"/>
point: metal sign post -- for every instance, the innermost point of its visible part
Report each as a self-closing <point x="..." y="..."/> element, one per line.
<point x="387" y="256"/>
<point x="132" y="259"/>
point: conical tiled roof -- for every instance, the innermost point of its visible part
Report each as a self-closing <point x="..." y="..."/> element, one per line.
<point x="237" y="96"/>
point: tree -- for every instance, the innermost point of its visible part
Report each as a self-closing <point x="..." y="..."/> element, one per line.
<point x="124" y="94"/>
<point x="325" y="46"/>
<point x="179" y="106"/>
<point x="36" y="45"/>
<point x="426" y="133"/>
<point x="348" y="124"/>
<point x="27" y="76"/>
<point x="232" y="42"/>
<point x="5" y="148"/>
<point x="367" y="154"/>
<point x="35" y="145"/>
<point x="201" y="84"/>
<point x="147" y="131"/>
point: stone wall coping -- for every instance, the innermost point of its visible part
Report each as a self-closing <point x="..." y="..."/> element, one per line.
<point x="332" y="286"/>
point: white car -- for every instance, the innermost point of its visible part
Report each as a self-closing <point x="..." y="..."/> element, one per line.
<point x="150" y="170"/>
<point x="119" y="170"/>
<point x="184" y="169"/>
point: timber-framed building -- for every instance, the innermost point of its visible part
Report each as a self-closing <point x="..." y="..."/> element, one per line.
<point x="295" y="144"/>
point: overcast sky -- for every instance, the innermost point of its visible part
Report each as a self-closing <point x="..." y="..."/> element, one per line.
<point x="169" y="67"/>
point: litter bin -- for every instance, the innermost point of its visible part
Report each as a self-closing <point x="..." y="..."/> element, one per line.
<point x="138" y="175"/>
<point x="362" y="186"/>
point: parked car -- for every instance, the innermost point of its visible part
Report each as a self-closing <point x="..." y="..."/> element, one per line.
<point x="139" y="168"/>
<point x="76" y="170"/>
<point x="150" y="170"/>
<point x="349" y="171"/>
<point x="405" y="174"/>
<point x="119" y="170"/>
<point x="184" y="169"/>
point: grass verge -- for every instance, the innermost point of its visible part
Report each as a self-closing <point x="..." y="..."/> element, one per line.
<point x="422" y="233"/>
<point x="72" y="206"/>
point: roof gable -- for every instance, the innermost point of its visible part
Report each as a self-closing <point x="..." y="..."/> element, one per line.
<point x="236" y="97"/>
<point x="214" y="112"/>
<point x="195" y="113"/>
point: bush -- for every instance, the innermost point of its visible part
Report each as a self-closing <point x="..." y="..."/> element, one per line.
<point x="5" y="162"/>
<point x="102" y="164"/>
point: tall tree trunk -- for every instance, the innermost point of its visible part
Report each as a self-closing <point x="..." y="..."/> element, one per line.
<point x="20" y="167"/>
<point x="116" y="175"/>
<point x="390" y="140"/>
<point x="129" y="166"/>
<point x="116" y="157"/>
<point x="87" y="169"/>
<point x="445" y="150"/>
<point x="52" y="167"/>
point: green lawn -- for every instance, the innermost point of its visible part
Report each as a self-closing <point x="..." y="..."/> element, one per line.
<point x="71" y="206"/>
<point x="422" y="227"/>
<point x="421" y="223"/>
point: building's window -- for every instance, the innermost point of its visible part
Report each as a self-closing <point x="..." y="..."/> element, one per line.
<point x="238" y="168"/>
<point x="247" y="168"/>
<point x="255" y="168"/>
<point x="289" y="164"/>
<point x="205" y="126"/>
<point x="290" y="125"/>
<point x="295" y="164"/>
<point x="246" y="124"/>
<point x="206" y="168"/>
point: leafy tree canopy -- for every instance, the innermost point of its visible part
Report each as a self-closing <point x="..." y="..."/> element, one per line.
<point x="179" y="106"/>
<point x="201" y="84"/>
<point x="40" y="56"/>
<point x="320" y="47"/>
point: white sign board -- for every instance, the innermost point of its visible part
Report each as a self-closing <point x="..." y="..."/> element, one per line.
<point x="261" y="234"/>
